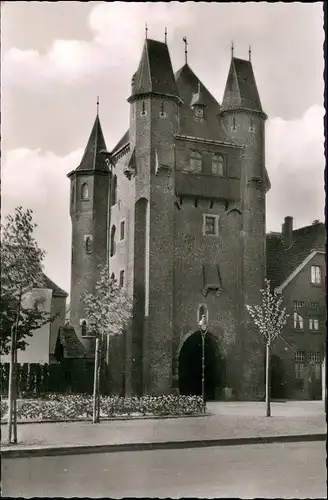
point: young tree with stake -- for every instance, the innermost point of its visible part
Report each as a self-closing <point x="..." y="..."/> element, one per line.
<point x="108" y="311"/>
<point x="21" y="271"/>
<point x="270" y="318"/>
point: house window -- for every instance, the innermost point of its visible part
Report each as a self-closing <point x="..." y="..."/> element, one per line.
<point x="298" y="304"/>
<point x="298" y="321"/>
<point x="315" y="361"/>
<point x="122" y="230"/>
<point x="196" y="162"/>
<point x="313" y="324"/>
<point x="88" y="244"/>
<point x="299" y="364"/>
<point x="112" y="241"/>
<point x="211" y="225"/>
<point x="313" y="305"/>
<point x="316" y="275"/>
<point x="202" y="311"/>
<point x="121" y="278"/>
<point x="217" y="165"/>
<point x="114" y="191"/>
<point x="84" y="191"/>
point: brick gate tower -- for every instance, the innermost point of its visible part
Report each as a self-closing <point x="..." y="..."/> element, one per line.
<point x="186" y="226"/>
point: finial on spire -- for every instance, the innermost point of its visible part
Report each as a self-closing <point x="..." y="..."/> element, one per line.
<point x="165" y="35"/>
<point x="232" y="49"/>
<point x="186" y="48"/>
<point x="249" y="54"/>
<point x="98" y="105"/>
<point x="146" y="28"/>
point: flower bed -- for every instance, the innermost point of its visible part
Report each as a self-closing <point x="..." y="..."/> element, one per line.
<point x="72" y="406"/>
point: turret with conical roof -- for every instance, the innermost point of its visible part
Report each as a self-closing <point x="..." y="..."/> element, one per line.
<point x="89" y="214"/>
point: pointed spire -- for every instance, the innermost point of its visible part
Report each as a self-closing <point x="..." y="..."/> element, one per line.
<point x="92" y="159"/>
<point x="232" y="49"/>
<point x="250" y="54"/>
<point x="165" y="35"/>
<point x="186" y="49"/>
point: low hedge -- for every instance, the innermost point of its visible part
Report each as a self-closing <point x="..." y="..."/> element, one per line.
<point x="66" y="407"/>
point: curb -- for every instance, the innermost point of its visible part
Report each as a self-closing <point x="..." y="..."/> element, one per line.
<point x="165" y="445"/>
<point x="110" y="419"/>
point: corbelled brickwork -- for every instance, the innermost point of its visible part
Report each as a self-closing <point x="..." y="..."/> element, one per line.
<point x="185" y="163"/>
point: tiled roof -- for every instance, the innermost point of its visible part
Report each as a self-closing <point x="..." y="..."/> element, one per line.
<point x="241" y="89"/>
<point x="91" y="159"/>
<point x="281" y="262"/>
<point x="71" y="344"/>
<point x="155" y="72"/>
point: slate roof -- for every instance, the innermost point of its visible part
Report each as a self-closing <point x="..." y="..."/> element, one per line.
<point x="71" y="344"/>
<point x="122" y="142"/>
<point x="281" y="262"/>
<point x="241" y="89"/>
<point x="155" y="72"/>
<point x="91" y="159"/>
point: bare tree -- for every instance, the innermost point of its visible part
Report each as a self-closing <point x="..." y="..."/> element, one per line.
<point x="108" y="311"/>
<point x="270" y="318"/>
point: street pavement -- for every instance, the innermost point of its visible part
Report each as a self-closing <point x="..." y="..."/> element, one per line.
<point x="279" y="470"/>
<point x="225" y="421"/>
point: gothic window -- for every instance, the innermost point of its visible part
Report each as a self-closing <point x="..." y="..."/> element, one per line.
<point x="121" y="278"/>
<point x="112" y="241"/>
<point x="211" y="225"/>
<point x="84" y="191"/>
<point x="83" y="327"/>
<point x="315" y="275"/>
<point x="114" y="191"/>
<point x="298" y="321"/>
<point x="196" y="162"/>
<point x="88" y="244"/>
<point x="202" y="311"/>
<point x="217" y="165"/>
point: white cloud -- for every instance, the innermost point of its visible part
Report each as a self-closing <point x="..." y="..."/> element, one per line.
<point x="296" y="162"/>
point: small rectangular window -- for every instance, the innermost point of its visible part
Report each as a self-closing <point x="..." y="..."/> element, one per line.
<point x="313" y="305"/>
<point x="298" y="321"/>
<point x="299" y="364"/>
<point x="316" y="275"/>
<point x="122" y="230"/>
<point x="121" y="283"/>
<point x="211" y="225"/>
<point x="298" y="304"/>
<point x="313" y="324"/>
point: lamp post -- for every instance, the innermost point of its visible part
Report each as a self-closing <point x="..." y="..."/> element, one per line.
<point x="203" y="330"/>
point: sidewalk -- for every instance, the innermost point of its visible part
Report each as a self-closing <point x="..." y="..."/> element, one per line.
<point x="227" y="423"/>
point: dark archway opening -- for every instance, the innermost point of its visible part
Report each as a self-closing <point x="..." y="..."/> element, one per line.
<point x="190" y="367"/>
<point x="277" y="377"/>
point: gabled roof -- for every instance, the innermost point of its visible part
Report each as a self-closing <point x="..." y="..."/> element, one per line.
<point x="56" y="290"/>
<point x="282" y="262"/>
<point x="241" y="90"/>
<point x="92" y="160"/>
<point x="155" y="72"/>
<point x="72" y="346"/>
<point x="122" y="142"/>
<point x="188" y="84"/>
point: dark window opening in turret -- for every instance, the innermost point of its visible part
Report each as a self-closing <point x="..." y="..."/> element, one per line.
<point x="202" y="311"/>
<point x="143" y="109"/>
<point x="88" y="244"/>
<point x="72" y="194"/>
<point x="114" y="191"/>
<point x="234" y="124"/>
<point x="112" y="276"/>
<point x="218" y="165"/>
<point x="83" y="328"/>
<point x="162" y="113"/>
<point x="121" y="278"/>
<point x="84" y="191"/>
<point x="196" y="202"/>
<point x="122" y="230"/>
<point x="112" y="241"/>
<point x="251" y="125"/>
<point x="211" y="203"/>
<point x="196" y="162"/>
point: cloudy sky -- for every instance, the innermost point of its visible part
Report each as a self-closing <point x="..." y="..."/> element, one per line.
<point x="57" y="57"/>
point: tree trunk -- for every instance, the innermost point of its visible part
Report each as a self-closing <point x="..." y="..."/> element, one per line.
<point x="11" y="385"/>
<point x="267" y="381"/>
<point x="100" y="367"/>
<point x="95" y="383"/>
<point x="15" y="394"/>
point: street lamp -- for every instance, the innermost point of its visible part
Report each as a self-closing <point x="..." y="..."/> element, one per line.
<point x="203" y="330"/>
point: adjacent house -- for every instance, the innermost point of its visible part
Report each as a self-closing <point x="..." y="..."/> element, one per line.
<point x="296" y="268"/>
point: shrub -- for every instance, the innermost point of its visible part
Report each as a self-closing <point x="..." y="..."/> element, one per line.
<point x="3" y="408"/>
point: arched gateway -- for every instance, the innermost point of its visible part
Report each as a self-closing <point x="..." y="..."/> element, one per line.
<point x="190" y="366"/>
